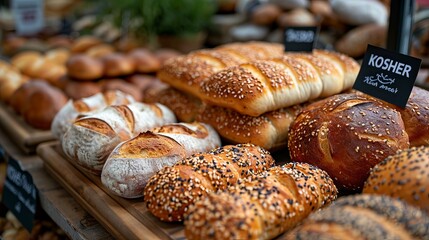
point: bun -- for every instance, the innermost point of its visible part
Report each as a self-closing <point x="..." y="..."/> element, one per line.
<point x="210" y="172"/>
<point x="59" y="55"/>
<point x="261" y="86"/>
<point x="265" y="14"/>
<point x="79" y="89"/>
<point x="123" y="86"/>
<point x="364" y="216"/>
<point x="89" y="140"/>
<point x="404" y="176"/>
<point x="346" y="135"/>
<point x="82" y="67"/>
<point x="19" y="98"/>
<point x="133" y="162"/>
<point x="299" y="17"/>
<point x="82" y="44"/>
<point x="86" y="106"/>
<point x="145" y="61"/>
<point x="100" y="51"/>
<point x="263" y="206"/>
<point x="10" y="80"/>
<point x="117" y="64"/>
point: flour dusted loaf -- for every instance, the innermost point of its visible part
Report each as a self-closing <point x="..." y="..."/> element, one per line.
<point x="364" y="216"/>
<point x="85" y="106"/>
<point x="89" y="140"/>
<point x="257" y="87"/>
<point x="263" y="206"/>
<point x="133" y="162"/>
<point x="346" y="135"/>
<point x="169" y="193"/>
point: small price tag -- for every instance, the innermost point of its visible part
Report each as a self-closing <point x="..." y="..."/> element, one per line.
<point x="29" y="16"/>
<point x="19" y="194"/>
<point x="387" y="75"/>
<point x="300" y="39"/>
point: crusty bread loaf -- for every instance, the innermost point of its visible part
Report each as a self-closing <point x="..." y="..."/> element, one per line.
<point x="364" y="216"/>
<point x="257" y="87"/>
<point x="193" y="178"/>
<point x="134" y="162"/>
<point x="403" y="175"/>
<point x="263" y="206"/>
<point x="83" y="43"/>
<point x="85" y="106"/>
<point x="10" y="80"/>
<point x="118" y="64"/>
<point x="85" y="68"/>
<point x="346" y="135"/>
<point x="89" y="140"/>
<point x="187" y="72"/>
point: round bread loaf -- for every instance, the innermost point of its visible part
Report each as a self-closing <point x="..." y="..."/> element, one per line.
<point x="99" y="51"/>
<point x="123" y="86"/>
<point x="78" y="89"/>
<point x="145" y="61"/>
<point x="346" y="135"/>
<point x="265" y="14"/>
<point x="404" y="175"/>
<point x="364" y="216"/>
<point x="82" y="67"/>
<point x="19" y="98"/>
<point x="83" y="43"/>
<point x="117" y="64"/>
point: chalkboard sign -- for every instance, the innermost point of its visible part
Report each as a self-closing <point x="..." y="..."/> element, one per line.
<point x="19" y="194"/>
<point x="300" y="39"/>
<point x="387" y="75"/>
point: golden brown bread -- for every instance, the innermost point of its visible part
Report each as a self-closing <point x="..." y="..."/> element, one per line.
<point x="133" y="162"/>
<point x="80" y="89"/>
<point x="265" y="14"/>
<point x="145" y="61"/>
<point x="82" y="44"/>
<point x="99" y="51"/>
<point x="123" y="86"/>
<point x="346" y="135"/>
<point x="194" y="177"/>
<point x="118" y="64"/>
<point x="10" y="80"/>
<point x="263" y="206"/>
<point x="85" y="68"/>
<point x="19" y="98"/>
<point x="58" y="55"/>
<point x="404" y="175"/>
<point x="364" y="216"/>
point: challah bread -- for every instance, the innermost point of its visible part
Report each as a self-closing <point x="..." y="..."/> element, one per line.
<point x="364" y="216"/>
<point x="192" y="178"/>
<point x="257" y="87"/>
<point x="404" y="175"/>
<point x="187" y="72"/>
<point x="85" y="106"/>
<point x="89" y="140"/>
<point x="263" y="206"/>
<point x="346" y="135"/>
<point x="269" y="130"/>
<point x="133" y="162"/>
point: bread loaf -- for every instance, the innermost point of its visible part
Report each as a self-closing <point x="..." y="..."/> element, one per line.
<point x="187" y="72"/>
<point x="133" y="162"/>
<point x="84" y="68"/>
<point x="404" y="175"/>
<point x="364" y="216"/>
<point x="10" y="80"/>
<point x="261" y="86"/>
<point x="80" y="89"/>
<point x="117" y="64"/>
<point x="263" y="206"/>
<point x="346" y="135"/>
<point x="145" y="61"/>
<point x="193" y="178"/>
<point x="85" y="106"/>
<point x="89" y="140"/>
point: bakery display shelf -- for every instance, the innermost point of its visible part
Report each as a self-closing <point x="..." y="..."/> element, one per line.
<point x="123" y="218"/>
<point x="25" y="137"/>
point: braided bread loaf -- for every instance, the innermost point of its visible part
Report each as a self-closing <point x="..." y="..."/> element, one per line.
<point x="133" y="162"/>
<point x="193" y="178"/>
<point x="261" y="207"/>
<point x="90" y="139"/>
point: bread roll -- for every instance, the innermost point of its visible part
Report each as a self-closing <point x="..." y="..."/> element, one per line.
<point x="360" y="12"/>
<point x="403" y="175"/>
<point x="364" y="216"/>
<point x="59" y="55"/>
<point x="85" y="106"/>
<point x="265" y="14"/>
<point x="299" y="17"/>
<point x="117" y="64"/>
<point x="82" y="67"/>
<point x="123" y="86"/>
<point x="23" y="59"/>
<point x="81" y="44"/>
<point x="145" y="61"/>
<point x="99" y="51"/>
<point x="89" y="140"/>
<point x="346" y="135"/>
<point x="10" y="81"/>
<point x="19" y="98"/>
<point x="263" y="206"/>
<point x="80" y="89"/>
<point x="133" y="162"/>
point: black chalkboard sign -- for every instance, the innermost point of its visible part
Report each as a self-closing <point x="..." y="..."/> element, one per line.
<point x="19" y="194"/>
<point x="387" y="75"/>
<point x="300" y="39"/>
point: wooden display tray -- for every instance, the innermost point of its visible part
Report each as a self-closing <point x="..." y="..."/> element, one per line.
<point x="123" y="218"/>
<point x="23" y="135"/>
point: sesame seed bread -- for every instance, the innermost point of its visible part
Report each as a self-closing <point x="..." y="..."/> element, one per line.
<point x="193" y="178"/>
<point x="404" y="175"/>
<point x="133" y="162"/>
<point x="364" y="216"/>
<point x="254" y="88"/>
<point x="90" y="139"/>
<point x="346" y="135"/>
<point x="262" y="206"/>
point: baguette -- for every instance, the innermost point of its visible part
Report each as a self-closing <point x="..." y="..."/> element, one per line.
<point x="133" y="162"/>
<point x="257" y="87"/>
<point x="193" y="178"/>
<point x="263" y="206"/>
<point x="89" y="140"/>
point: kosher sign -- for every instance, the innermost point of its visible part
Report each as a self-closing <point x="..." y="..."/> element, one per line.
<point x="387" y="75"/>
<point x="300" y="39"/>
<point x="20" y="194"/>
<point x="28" y="15"/>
